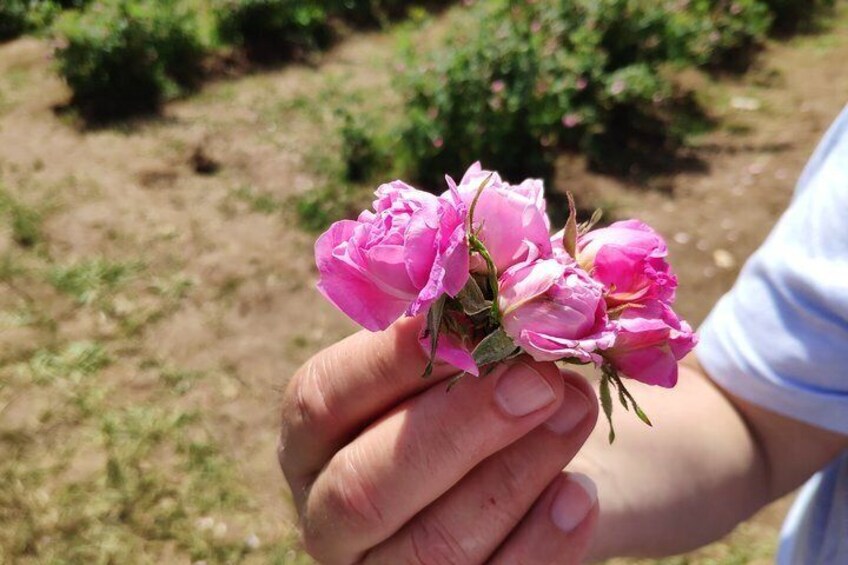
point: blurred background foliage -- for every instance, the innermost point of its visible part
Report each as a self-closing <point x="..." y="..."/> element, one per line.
<point x="521" y="82"/>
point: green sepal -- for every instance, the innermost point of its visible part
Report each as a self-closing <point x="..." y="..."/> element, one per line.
<point x="471" y="298"/>
<point x="624" y="395"/>
<point x="454" y="380"/>
<point x="606" y="404"/>
<point x="569" y="236"/>
<point x="623" y="399"/>
<point x="492" y="276"/>
<point x="585" y="227"/>
<point x="494" y="348"/>
<point x="642" y="415"/>
<point x="473" y="206"/>
<point x="434" y="324"/>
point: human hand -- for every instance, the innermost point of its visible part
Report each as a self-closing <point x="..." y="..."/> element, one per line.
<point x="387" y="467"/>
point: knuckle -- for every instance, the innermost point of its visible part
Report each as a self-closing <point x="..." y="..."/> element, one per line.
<point x="429" y="450"/>
<point x="383" y="364"/>
<point x="322" y="550"/>
<point x="351" y="498"/>
<point x="306" y="417"/>
<point x="433" y="543"/>
<point x="511" y="482"/>
<point x="398" y="344"/>
<point x="581" y="384"/>
<point x="309" y="405"/>
<point x="311" y="541"/>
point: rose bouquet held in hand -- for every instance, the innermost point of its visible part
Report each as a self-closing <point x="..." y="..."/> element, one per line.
<point x="479" y="260"/>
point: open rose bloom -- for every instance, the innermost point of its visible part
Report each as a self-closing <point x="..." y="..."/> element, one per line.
<point x="396" y="260"/>
<point x="479" y="262"/>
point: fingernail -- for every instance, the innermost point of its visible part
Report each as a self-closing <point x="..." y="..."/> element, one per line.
<point x="572" y="504"/>
<point x="522" y="390"/>
<point x="574" y="408"/>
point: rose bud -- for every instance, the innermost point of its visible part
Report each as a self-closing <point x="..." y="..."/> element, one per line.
<point x="651" y="340"/>
<point x="511" y="219"/>
<point x="397" y="259"/>
<point x="629" y="258"/>
<point x="554" y="310"/>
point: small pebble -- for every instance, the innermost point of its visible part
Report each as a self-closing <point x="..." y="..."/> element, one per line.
<point x="205" y="523"/>
<point x="757" y="168"/>
<point x="745" y="103"/>
<point x="252" y="542"/>
<point x="723" y="259"/>
<point x="220" y="530"/>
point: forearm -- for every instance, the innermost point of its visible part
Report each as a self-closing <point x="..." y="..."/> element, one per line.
<point x="686" y="482"/>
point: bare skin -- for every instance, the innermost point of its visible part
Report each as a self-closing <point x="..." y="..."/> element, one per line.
<point x="386" y="467"/>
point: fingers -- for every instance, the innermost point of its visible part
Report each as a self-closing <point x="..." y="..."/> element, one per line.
<point x="558" y="528"/>
<point x="419" y="451"/>
<point x="342" y="389"/>
<point x="467" y="524"/>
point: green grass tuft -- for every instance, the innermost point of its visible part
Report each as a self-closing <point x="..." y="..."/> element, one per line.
<point x="91" y="280"/>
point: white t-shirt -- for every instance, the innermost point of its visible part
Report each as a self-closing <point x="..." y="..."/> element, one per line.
<point x="779" y="339"/>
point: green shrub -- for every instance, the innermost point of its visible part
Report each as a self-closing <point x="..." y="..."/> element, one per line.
<point x="122" y="57"/>
<point x="22" y="16"/>
<point x="533" y="78"/>
<point x="791" y="16"/>
<point x="363" y="154"/>
<point x="13" y="18"/>
<point x="271" y="30"/>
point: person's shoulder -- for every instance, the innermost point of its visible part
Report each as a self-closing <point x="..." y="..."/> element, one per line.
<point x="832" y="146"/>
<point x="777" y="339"/>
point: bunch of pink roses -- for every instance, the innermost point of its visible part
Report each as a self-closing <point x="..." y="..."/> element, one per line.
<point x="479" y="260"/>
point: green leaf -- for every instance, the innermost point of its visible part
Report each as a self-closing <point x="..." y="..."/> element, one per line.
<point x="471" y="298"/>
<point x="434" y="323"/>
<point x="495" y="347"/>
<point x="606" y="404"/>
<point x="569" y="236"/>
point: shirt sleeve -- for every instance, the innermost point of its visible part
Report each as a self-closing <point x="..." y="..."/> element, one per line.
<point x="779" y="338"/>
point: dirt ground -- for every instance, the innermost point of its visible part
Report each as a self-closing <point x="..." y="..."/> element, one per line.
<point x="207" y="276"/>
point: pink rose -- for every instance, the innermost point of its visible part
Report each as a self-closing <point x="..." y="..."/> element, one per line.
<point x="554" y="310"/>
<point x="629" y="259"/>
<point x="651" y="340"/>
<point x="397" y="259"/>
<point x="511" y="218"/>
